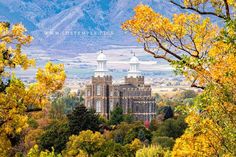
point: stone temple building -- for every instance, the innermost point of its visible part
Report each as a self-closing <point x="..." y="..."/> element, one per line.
<point x="134" y="96"/>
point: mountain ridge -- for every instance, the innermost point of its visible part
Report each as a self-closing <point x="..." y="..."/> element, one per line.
<point x="54" y="23"/>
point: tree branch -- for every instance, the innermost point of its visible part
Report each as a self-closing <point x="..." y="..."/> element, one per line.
<point x="195" y="85"/>
<point x="156" y="55"/>
<point x="165" y="49"/>
<point x="198" y="11"/>
<point x="227" y="9"/>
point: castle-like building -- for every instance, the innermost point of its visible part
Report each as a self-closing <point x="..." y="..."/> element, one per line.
<point x="134" y="96"/>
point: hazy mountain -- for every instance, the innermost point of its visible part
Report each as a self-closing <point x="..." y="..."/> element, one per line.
<point x="76" y="25"/>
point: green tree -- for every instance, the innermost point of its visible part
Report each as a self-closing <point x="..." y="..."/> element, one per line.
<point x="112" y="149"/>
<point x="171" y="128"/>
<point x="116" y="116"/>
<point x="55" y="136"/>
<point x="153" y="125"/>
<point x="163" y="141"/>
<point x="153" y="151"/>
<point x="129" y="118"/>
<point x="157" y="97"/>
<point x="139" y="132"/>
<point x="120" y="132"/>
<point x="188" y="94"/>
<point x="63" y="103"/>
<point x="166" y="111"/>
<point x="82" y="118"/>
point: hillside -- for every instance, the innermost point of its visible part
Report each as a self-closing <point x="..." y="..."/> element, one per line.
<point x="81" y="25"/>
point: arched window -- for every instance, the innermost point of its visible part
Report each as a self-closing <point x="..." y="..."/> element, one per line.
<point x="98" y="106"/>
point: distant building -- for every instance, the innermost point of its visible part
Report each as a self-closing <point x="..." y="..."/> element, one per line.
<point x="134" y="96"/>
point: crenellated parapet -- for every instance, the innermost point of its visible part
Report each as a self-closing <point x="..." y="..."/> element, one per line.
<point x="105" y="79"/>
<point x="138" y="81"/>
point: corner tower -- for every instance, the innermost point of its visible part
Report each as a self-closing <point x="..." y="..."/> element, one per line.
<point x="101" y="65"/>
<point x="134" y="74"/>
<point x="98" y="92"/>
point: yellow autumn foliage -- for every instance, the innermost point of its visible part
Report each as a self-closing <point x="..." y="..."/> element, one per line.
<point x="205" y="54"/>
<point x="16" y="99"/>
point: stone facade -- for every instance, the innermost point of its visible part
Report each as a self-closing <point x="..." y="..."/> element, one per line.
<point x="133" y="96"/>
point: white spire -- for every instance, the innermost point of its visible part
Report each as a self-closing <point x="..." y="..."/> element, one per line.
<point x="101" y="66"/>
<point x="134" y="67"/>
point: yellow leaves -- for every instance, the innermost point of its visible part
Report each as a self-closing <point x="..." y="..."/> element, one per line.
<point x="18" y="29"/>
<point x="49" y="79"/>
<point x="2" y="47"/>
<point x="15" y="98"/>
<point x="7" y="39"/>
<point x="52" y="77"/>
<point x="3" y="29"/>
<point x="188" y="3"/>
<point x="203" y="53"/>
<point x="135" y="145"/>
<point x="179" y="21"/>
<point x="144" y="21"/>
<point x="202" y="138"/>
<point x="210" y="132"/>
<point x="11" y="108"/>
<point x="232" y="3"/>
<point x="153" y="151"/>
<point x="90" y="137"/>
<point x="185" y="33"/>
<point x="86" y="142"/>
<point x="5" y="145"/>
<point x="223" y="67"/>
<point x="13" y="57"/>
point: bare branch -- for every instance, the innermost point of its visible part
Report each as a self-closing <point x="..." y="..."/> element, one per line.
<point x="156" y="55"/>
<point x="198" y="11"/>
<point x="227" y="9"/>
<point x="165" y="49"/>
<point x="195" y="85"/>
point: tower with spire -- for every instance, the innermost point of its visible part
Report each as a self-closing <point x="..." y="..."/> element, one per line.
<point x="134" y="67"/>
<point x="101" y="65"/>
<point x="134" y="74"/>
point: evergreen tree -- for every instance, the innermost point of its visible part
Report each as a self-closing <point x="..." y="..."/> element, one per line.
<point x="116" y="116"/>
<point x="55" y="136"/>
<point x="83" y="119"/>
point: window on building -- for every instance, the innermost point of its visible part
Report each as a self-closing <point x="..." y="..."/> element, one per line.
<point x="150" y="108"/>
<point x="98" y="106"/>
<point x="137" y="109"/>
<point x="111" y="105"/>
<point x="88" y="93"/>
<point x="98" y="90"/>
